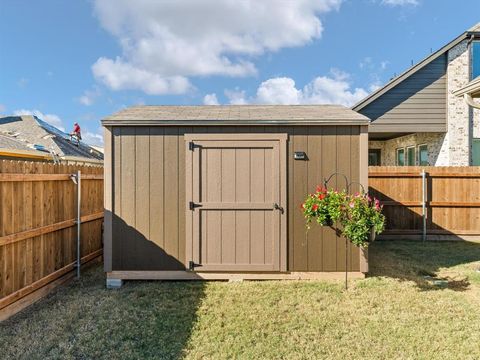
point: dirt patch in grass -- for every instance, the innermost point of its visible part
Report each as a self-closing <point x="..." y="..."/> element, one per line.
<point x="395" y="313"/>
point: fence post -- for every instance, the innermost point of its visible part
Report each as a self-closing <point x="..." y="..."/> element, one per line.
<point x="424" y="205"/>
<point x="79" y="221"/>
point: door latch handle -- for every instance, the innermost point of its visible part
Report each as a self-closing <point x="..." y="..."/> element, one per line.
<point x="278" y="207"/>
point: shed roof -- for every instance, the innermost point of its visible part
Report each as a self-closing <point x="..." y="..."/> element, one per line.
<point x="236" y="115"/>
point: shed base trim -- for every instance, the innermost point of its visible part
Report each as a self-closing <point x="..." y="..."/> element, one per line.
<point x="188" y="275"/>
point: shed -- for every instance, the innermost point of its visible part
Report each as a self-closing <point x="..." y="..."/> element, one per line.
<point x="213" y="192"/>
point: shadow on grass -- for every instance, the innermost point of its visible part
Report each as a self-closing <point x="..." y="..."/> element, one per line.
<point x="428" y="264"/>
<point x="86" y="321"/>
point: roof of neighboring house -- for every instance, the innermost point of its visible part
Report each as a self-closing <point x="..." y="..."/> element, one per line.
<point x="27" y="132"/>
<point x="10" y="142"/>
<point x="236" y="115"/>
<point x="473" y="31"/>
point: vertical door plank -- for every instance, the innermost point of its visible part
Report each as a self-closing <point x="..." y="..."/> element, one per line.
<point x="269" y="196"/>
<point x="228" y="195"/>
<point x="214" y="194"/>
<point x="257" y="218"/>
<point x="242" y="194"/>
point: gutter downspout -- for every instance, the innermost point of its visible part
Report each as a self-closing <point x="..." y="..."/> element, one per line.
<point x="469" y="100"/>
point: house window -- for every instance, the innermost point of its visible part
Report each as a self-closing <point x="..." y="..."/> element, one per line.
<point x="476" y="152"/>
<point x="374" y="157"/>
<point x="411" y="156"/>
<point x="423" y="155"/>
<point x="401" y="157"/>
<point x="475" y="59"/>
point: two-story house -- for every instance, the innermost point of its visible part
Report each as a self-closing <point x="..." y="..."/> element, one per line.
<point x="427" y="115"/>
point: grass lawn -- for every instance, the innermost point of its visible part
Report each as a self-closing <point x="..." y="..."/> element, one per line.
<point x="421" y="301"/>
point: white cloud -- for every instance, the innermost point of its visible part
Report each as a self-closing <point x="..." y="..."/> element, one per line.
<point x="52" y="119"/>
<point x="333" y="89"/>
<point x="280" y="90"/>
<point x="210" y="99"/>
<point x="93" y="138"/>
<point x="89" y="96"/>
<point x="236" y="96"/>
<point x="400" y="2"/>
<point x="164" y="43"/>
<point x="120" y="75"/>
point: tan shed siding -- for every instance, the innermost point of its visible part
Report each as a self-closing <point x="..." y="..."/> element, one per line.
<point x="419" y="100"/>
<point x="108" y="202"/>
<point x="149" y="194"/>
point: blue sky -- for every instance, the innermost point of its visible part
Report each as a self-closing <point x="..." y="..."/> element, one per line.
<point x="82" y="60"/>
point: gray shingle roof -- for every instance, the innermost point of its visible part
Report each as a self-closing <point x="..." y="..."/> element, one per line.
<point x="28" y="130"/>
<point x="9" y="142"/>
<point x="235" y="114"/>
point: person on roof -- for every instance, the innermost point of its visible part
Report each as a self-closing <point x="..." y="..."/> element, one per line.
<point x="76" y="133"/>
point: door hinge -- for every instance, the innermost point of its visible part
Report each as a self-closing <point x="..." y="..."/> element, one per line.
<point x="192" y="265"/>
<point x="192" y="146"/>
<point x="192" y="205"/>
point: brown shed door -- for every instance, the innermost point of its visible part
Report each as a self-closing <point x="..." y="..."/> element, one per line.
<point x="236" y="202"/>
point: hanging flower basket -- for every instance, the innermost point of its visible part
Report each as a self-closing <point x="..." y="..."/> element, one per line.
<point x="359" y="215"/>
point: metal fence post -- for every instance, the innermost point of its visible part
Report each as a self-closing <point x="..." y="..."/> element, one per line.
<point x="79" y="221"/>
<point x="424" y="205"/>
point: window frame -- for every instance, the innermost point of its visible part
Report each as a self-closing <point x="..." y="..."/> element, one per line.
<point x="407" y="157"/>
<point x="475" y="140"/>
<point x="475" y="41"/>
<point x="418" y="155"/>
<point x="379" y="154"/>
<point x="397" y="158"/>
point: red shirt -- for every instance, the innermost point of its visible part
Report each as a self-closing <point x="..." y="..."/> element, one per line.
<point x="76" y="128"/>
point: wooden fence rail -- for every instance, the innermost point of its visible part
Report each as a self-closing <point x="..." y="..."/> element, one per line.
<point x="38" y="226"/>
<point x="450" y="202"/>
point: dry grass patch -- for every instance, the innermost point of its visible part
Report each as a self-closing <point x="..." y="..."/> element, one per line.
<point x="396" y="313"/>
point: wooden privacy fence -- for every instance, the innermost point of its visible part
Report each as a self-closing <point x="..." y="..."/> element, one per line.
<point x="38" y="235"/>
<point x="428" y="202"/>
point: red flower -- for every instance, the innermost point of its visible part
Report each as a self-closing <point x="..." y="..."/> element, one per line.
<point x="315" y="207"/>
<point x="321" y="196"/>
<point x="320" y="189"/>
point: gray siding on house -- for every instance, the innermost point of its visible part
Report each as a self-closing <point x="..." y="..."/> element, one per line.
<point x="417" y="104"/>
